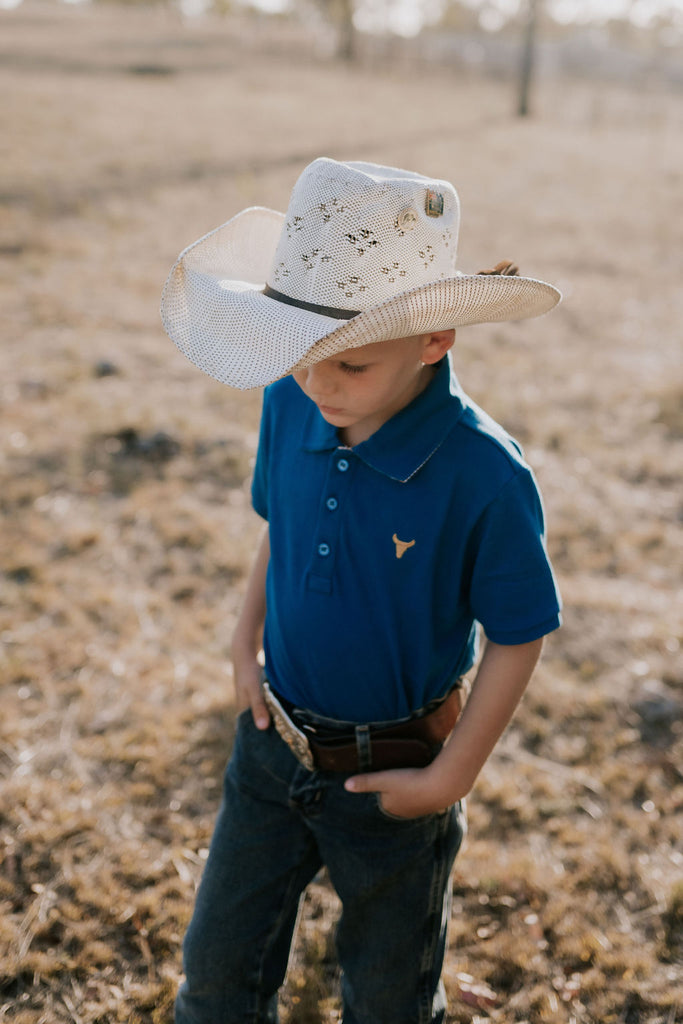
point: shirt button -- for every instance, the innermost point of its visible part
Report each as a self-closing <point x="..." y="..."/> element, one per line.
<point x="343" y="465"/>
<point x="323" y="549"/>
<point x="331" y="504"/>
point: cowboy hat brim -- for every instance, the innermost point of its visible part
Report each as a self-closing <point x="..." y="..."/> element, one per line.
<point x="213" y="307"/>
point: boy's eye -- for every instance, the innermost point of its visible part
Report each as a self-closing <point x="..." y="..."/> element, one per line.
<point x="352" y="367"/>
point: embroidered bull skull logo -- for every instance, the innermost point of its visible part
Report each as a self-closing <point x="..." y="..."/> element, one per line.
<point x="402" y="546"/>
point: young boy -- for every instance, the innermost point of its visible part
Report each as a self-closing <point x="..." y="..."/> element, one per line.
<point x="399" y="516"/>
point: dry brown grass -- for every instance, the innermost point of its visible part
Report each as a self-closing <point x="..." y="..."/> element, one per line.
<point x="127" y="529"/>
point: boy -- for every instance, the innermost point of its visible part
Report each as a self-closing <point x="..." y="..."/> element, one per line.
<point x="399" y="516"/>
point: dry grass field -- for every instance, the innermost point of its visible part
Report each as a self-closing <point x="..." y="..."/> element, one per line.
<point x="127" y="530"/>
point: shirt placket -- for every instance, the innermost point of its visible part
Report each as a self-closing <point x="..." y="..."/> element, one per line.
<point x="341" y="468"/>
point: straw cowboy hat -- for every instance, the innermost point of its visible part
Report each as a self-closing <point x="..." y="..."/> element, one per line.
<point x="363" y="254"/>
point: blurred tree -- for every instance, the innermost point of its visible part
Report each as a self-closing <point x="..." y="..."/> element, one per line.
<point x="457" y="17"/>
<point x="340" y="14"/>
<point x="348" y="49"/>
<point x="528" y="55"/>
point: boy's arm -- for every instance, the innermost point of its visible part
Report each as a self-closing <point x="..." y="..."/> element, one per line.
<point x="503" y="675"/>
<point x="248" y="636"/>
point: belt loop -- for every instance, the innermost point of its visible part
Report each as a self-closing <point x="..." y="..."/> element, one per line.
<point x="363" y="748"/>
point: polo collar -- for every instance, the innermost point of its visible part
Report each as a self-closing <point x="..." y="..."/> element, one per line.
<point x="405" y="442"/>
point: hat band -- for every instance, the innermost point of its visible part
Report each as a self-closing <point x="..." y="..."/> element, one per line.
<point x="312" y="307"/>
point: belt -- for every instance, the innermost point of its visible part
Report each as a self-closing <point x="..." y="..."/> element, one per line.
<point x="413" y="743"/>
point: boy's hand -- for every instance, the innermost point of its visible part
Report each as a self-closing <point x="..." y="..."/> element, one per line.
<point x="248" y="691"/>
<point x="503" y="674"/>
<point x="247" y="639"/>
<point x="403" y="792"/>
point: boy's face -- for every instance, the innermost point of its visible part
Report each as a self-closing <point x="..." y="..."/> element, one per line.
<point x="360" y="389"/>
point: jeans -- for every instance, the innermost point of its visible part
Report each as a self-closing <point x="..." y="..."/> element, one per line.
<point x="277" y="825"/>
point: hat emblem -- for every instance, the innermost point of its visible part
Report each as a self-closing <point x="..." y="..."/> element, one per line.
<point x="406" y="220"/>
<point x="434" y="203"/>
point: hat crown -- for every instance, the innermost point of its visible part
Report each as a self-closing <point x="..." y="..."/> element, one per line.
<point x="357" y="234"/>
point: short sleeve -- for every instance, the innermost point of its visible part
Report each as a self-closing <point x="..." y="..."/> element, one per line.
<point x="513" y="593"/>
<point x="259" y="483"/>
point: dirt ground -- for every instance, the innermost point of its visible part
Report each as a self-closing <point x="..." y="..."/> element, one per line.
<point x="127" y="530"/>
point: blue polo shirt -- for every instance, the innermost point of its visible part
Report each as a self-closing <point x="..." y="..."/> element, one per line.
<point x="385" y="556"/>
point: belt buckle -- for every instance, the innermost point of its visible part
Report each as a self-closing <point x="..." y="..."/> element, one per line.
<point x="287" y="730"/>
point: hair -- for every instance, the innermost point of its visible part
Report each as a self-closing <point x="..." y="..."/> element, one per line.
<point x="506" y="268"/>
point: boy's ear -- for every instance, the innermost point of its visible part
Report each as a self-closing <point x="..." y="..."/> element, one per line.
<point x="436" y="345"/>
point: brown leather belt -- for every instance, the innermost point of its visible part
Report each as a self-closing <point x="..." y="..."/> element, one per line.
<point x="410" y="744"/>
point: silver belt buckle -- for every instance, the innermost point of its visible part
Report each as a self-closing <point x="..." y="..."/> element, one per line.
<point x="293" y="737"/>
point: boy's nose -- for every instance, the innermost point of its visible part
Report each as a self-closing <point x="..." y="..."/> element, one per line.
<point x="319" y="380"/>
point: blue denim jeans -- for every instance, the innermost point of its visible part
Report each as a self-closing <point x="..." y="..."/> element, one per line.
<point x="278" y="824"/>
